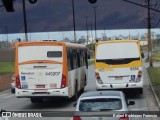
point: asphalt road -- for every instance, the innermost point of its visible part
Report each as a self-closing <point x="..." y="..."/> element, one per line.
<point x="9" y="102"/>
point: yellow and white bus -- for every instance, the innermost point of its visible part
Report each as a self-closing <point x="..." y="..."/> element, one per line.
<point x="118" y="65"/>
<point x="50" y="69"/>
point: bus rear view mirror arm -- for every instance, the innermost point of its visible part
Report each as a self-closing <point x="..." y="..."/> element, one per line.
<point x="74" y="104"/>
<point x="142" y="54"/>
<point x="131" y="102"/>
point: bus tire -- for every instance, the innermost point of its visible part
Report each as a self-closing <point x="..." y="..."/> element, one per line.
<point x="39" y="100"/>
<point x="12" y="91"/>
<point x="33" y="100"/>
<point x="140" y="90"/>
<point x="82" y="90"/>
<point x="76" y="92"/>
<point x="85" y="81"/>
<point x="97" y="90"/>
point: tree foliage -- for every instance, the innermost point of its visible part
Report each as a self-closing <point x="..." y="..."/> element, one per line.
<point x="91" y="46"/>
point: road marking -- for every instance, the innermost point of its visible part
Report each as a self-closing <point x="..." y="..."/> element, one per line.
<point x="2" y="95"/>
<point x="4" y="92"/>
<point x="8" y="96"/>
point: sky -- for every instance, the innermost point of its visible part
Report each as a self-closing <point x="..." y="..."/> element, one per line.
<point x="70" y="34"/>
<point x="56" y="15"/>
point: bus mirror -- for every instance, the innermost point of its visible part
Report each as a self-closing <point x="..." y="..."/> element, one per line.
<point x="88" y="56"/>
<point x="74" y="104"/>
<point x="142" y="54"/>
<point x="131" y="103"/>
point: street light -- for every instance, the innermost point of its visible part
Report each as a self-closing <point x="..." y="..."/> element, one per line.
<point x="32" y="1"/>
<point x="25" y="20"/>
<point x="92" y="1"/>
<point x="95" y="22"/>
<point x="87" y="27"/>
<point x="91" y="33"/>
<point x="24" y="16"/>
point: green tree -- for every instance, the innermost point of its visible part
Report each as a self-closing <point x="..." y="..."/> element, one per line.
<point x="91" y="46"/>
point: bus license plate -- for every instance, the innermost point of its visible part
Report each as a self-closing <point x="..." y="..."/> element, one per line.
<point x="40" y="86"/>
<point x="118" y="78"/>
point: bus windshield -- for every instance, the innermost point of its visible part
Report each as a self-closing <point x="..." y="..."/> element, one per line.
<point x="117" y="53"/>
<point x="40" y="53"/>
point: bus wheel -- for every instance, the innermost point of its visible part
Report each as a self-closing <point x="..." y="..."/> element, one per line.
<point x="13" y="90"/>
<point x="85" y="81"/>
<point x="33" y="100"/>
<point x="76" y="92"/>
<point x="82" y="90"/>
<point x="140" y="90"/>
<point x="39" y="100"/>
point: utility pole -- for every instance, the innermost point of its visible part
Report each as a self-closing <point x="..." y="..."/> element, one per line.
<point x="129" y="34"/>
<point x="48" y="35"/>
<point x="25" y="20"/>
<point x="74" y="21"/>
<point x="87" y="28"/>
<point x="149" y="35"/>
<point x="91" y="33"/>
<point x="30" y="36"/>
<point x="6" y="33"/>
<point x="7" y="37"/>
<point x="95" y="23"/>
<point x="105" y="37"/>
<point x="63" y="37"/>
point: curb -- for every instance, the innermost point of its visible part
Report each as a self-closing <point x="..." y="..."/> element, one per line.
<point x="155" y="96"/>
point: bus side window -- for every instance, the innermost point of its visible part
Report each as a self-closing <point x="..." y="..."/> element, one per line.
<point x="68" y="60"/>
<point x="84" y="63"/>
<point x="74" y="59"/>
<point x="78" y="59"/>
<point x="71" y="59"/>
<point x="86" y="59"/>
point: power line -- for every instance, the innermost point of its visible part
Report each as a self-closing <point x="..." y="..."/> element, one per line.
<point x="142" y="5"/>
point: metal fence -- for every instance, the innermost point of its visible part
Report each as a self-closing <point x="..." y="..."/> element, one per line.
<point x="7" y="55"/>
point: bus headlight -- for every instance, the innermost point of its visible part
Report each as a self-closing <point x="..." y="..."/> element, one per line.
<point x="98" y="78"/>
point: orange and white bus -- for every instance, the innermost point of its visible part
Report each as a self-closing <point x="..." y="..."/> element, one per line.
<point x="50" y="69"/>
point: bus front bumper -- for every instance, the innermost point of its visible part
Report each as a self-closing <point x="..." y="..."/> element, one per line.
<point x="119" y="86"/>
<point x="22" y="93"/>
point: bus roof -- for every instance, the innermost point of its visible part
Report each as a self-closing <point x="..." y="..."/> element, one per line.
<point x="115" y="41"/>
<point x="30" y="43"/>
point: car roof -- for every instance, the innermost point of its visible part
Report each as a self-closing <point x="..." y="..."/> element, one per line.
<point x="102" y="93"/>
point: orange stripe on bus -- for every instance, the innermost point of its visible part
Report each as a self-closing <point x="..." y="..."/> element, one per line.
<point x="47" y="43"/>
<point x="40" y="61"/>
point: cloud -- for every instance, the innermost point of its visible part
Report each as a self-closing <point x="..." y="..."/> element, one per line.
<point x="56" y="15"/>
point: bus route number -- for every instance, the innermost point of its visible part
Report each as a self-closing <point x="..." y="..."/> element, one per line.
<point x="52" y="73"/>
<point x="134" y="68"/>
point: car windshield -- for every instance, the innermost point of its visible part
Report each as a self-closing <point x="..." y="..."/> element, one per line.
<point x="100" y="104"/>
